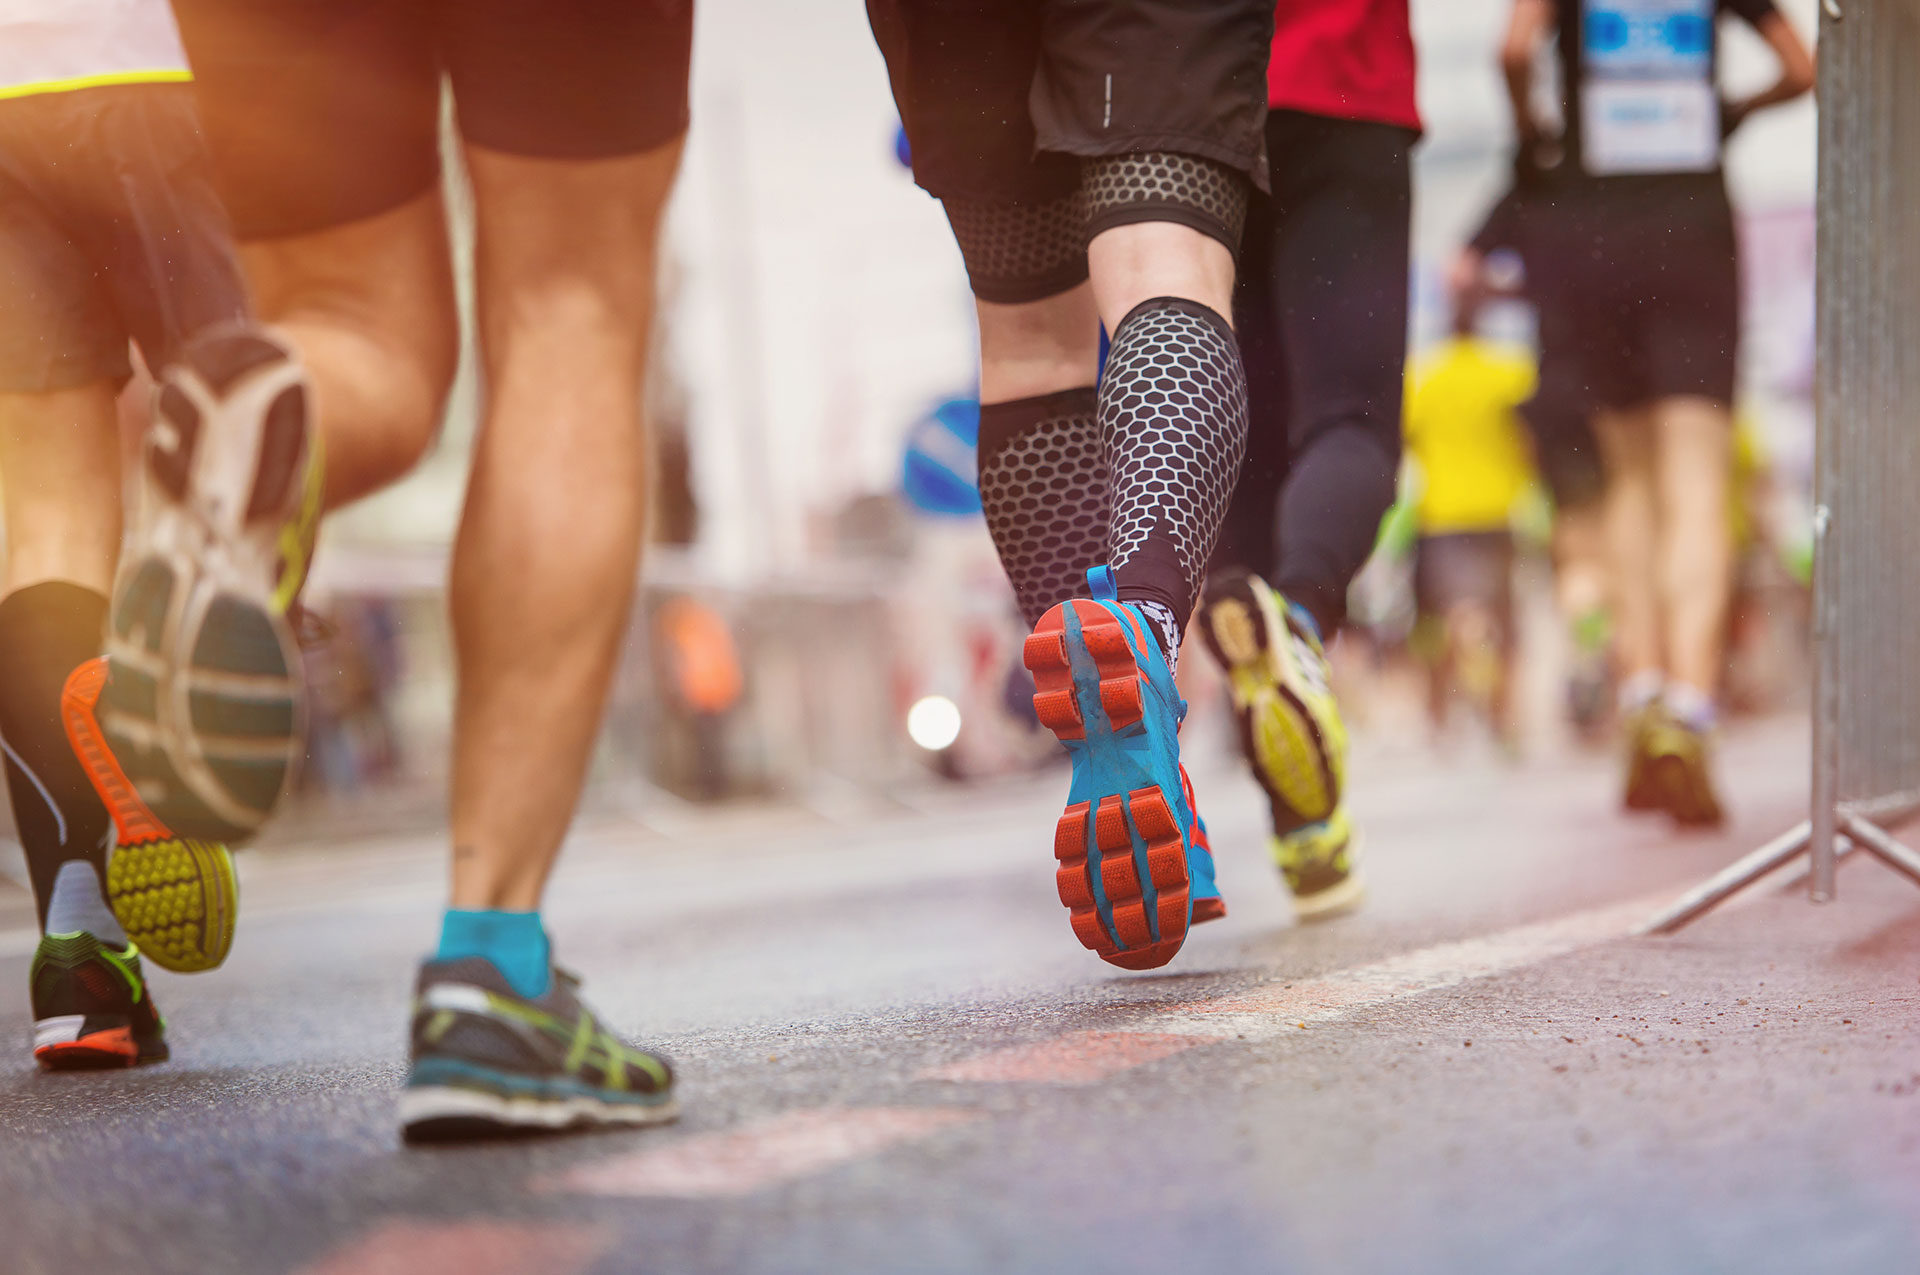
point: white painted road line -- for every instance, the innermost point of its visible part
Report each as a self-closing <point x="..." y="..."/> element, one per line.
<point x="1269" y="1012"/>
<point x="760" y="1154"/>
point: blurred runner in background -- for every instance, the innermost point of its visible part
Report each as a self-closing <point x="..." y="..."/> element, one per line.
<point x="1651" y="284"/>
<point x="325" y="120"/>
<point x="1322" y="311"/>
<point x="110" y="233"/>
<point x="1470" y="466"/>
<point x="1508" y="255"/>
<point x="1094" y="158"/>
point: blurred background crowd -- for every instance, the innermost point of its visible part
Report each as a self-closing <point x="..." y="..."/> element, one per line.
<point x="814" y="398"/>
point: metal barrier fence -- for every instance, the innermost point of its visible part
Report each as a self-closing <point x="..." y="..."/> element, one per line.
<point x="1866" y="713"/>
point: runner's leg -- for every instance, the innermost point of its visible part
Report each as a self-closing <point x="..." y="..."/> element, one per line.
<point x="565" y="263"/>
<point x="370" y="307"/>
<point x="1632" y="513"/>
<point x="59" y="480"/>
<point x="1693" y="442"/>
<point x="1341" y="264"/>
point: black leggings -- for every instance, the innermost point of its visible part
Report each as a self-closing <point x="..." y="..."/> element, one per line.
<point x="1321" y="310"/>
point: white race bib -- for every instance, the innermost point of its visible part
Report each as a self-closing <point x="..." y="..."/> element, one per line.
<point x="1648" y="101"/>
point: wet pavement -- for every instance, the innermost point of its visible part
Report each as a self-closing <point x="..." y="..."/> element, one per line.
<point x="896" y="1058"/>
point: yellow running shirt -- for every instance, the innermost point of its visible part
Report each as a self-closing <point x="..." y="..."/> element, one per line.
<point x="1464" y="434"/>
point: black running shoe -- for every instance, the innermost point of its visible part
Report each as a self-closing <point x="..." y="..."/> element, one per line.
<point x="488" y="1061"/>
<point x="91" y="1007"/>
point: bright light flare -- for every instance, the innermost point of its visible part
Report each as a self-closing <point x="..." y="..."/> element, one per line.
<point x="934" y="723"/>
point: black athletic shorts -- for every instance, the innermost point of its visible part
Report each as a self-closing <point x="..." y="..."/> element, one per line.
<point x="110" y="230"/>
<point x="323" y="112"/>
<point x="1465" y="568"/>
<point x="1000" y="97"/>
<point x="1642" y="296"/>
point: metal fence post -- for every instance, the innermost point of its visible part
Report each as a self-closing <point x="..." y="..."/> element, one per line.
<point x="1866" y="703"/>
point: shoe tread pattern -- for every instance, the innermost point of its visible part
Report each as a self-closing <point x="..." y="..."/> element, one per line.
<point x="1096" y="843"/>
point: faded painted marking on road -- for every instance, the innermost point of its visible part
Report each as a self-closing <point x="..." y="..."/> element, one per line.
<point x="1266" y="1012"/>
<point x="760" y="1154"/>
<point x="466" y="1248"/>
<point x="1270" y="1012"/>
<point x="1079" y="1058"/>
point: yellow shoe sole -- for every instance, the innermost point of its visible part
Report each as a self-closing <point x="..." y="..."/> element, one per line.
<point x="1251" y="639"/>
<point x="177" y="900"/>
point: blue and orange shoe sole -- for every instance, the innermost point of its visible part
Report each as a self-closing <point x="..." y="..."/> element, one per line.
<point x="1122" y="871"/>
<point x="1207" y="903"/>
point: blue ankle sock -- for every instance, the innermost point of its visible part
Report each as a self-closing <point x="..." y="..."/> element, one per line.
<point x="515" y="942"/>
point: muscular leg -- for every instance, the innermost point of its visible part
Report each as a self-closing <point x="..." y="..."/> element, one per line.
<point x="1166" y="291"/>
<point x="1632" y="514"/>
<point x="1043" y="472"/>
<point x="1135" y="263"/>
<point x="1041" y="347"/>
<point x="60" y="476"/>
<point x="549" y="546"/>
<point x="1579" y="561"/>
<point x="1692" y="440"/>
<point x="370" y="306"/>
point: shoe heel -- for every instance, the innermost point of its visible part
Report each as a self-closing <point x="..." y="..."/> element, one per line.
<point x="1104" y="638"/>
<point x="1045" y="655"/>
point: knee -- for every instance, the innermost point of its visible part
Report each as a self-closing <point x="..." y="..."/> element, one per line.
<point x="1365" y="452"/>
<point x="567" y="318"/>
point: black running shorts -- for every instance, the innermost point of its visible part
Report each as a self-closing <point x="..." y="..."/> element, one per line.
<point x="110" y="229"/>
<point x="1465" y="568"/>
<point x="323" y="112"/>
<point x="1640" y="295"/>
<point x="1000" y="97"/>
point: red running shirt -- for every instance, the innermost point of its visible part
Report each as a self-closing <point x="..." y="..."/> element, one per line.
<point x="1347" y="59"/>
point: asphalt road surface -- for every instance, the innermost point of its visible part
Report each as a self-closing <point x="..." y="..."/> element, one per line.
<point x="895" y="1058"/>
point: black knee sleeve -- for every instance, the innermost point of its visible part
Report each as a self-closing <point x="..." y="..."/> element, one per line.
<point x="1017" y="253"/>
<point x="1173" y="422"/>
<point x="1163" y="186"/>
<point x="47" y="631"/>
<point x="1043" y="487"/>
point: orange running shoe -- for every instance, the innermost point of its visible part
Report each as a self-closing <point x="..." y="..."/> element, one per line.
<point x="175" y="897"/>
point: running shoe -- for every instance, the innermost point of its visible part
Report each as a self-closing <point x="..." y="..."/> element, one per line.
<point x="1590" y="693"/>
<point x="1207" y="903"/>
<point x="1321" y="865"/>
<point x="202" y="706"/>
<point x="488" y="1061"/>
<point x="1127" y="840"/>
<point x="1292" y="734"/>
<point x="176" y="898"/>
<point x="1678" y="770"/>
<point x="1290" y="726"/>
<point x="1641" y="792"/>
<point x="91" y="1007"/>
